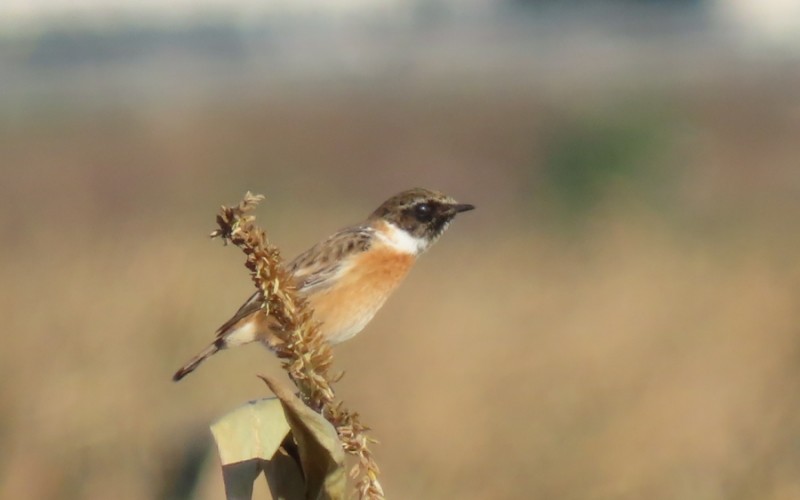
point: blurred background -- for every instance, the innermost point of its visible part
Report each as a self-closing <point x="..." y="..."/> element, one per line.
<point x="617" y="320"/>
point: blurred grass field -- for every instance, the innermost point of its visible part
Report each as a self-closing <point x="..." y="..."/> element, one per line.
<point x="618" y="319"/>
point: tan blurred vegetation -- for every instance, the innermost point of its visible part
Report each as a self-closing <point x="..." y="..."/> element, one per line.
<point x="643" y="344"/>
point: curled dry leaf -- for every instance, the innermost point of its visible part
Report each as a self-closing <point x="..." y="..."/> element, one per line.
<point x="321" y="454"/>
<point x="254" y="430"/>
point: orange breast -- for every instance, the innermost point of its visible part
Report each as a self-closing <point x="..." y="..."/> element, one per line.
<point x="345" y="308"/>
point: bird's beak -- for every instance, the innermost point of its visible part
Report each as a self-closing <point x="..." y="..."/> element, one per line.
<point x="463" y="207"/>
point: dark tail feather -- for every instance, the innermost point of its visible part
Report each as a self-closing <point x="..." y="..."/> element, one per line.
<point x="195" y="361"/>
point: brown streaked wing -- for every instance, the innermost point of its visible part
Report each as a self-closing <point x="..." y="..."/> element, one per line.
<point x="314" y="268"/>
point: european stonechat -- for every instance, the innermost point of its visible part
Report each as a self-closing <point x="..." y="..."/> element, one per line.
<point x="347" y="277"/>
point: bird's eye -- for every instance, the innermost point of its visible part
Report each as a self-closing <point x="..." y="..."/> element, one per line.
<point x="423" y="212"/>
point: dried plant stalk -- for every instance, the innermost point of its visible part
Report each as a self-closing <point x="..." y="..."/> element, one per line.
<point x="305" y="355"/>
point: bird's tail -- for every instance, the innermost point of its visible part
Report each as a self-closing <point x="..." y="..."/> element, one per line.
<point x="193" y="363"/>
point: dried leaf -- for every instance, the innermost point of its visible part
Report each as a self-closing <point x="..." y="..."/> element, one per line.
<point x="252" y="431"/>
<point x="321" y="453"/>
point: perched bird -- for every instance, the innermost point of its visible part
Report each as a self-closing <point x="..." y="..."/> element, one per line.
<point x="347" y="277"/>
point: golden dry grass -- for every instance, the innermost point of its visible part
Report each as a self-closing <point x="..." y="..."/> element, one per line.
<point x="645" y="353"/>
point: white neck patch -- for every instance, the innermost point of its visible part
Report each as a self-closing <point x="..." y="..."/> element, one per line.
<point x="401" y="240"/>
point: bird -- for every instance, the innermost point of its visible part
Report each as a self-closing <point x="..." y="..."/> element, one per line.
<point x="347" y="277"/>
